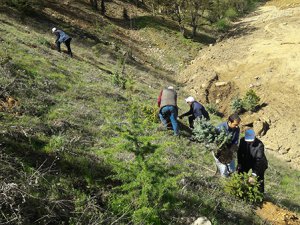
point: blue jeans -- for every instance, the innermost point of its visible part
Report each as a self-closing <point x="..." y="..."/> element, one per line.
<point x="169" y="112"/>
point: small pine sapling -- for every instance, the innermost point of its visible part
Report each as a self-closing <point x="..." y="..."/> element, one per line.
<point x="251" y="100"/>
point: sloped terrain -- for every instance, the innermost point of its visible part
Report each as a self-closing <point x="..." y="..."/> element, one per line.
<point x="79" y="138"/>
<point x="261" y="53"/>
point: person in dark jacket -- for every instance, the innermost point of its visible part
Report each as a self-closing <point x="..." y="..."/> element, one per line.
<point x="225" y="157"/>
<point x="196" y="111"/>
<point x="251" y="156"/>
<point x="168" y="110"/>
<point x="62" y="37"/>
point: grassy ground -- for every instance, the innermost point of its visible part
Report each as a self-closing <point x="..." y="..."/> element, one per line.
<point x="283" y="185"/>
<point x="79" y="147"/>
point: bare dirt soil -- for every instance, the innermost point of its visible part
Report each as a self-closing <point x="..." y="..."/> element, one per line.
<point x="276" y="215"/>
<point x="262" y="53"/>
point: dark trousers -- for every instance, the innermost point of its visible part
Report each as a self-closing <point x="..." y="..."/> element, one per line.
<point x="191" y="121"/>
<point x="261" y="180"/>
<point x="68" y="45"/>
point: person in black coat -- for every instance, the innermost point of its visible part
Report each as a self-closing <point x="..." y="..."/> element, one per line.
<point x="196" y="110"/>
<point x="251" y="156"/>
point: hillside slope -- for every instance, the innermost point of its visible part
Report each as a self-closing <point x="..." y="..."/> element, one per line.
<point x="79" y="138"/>
<point x="260" y="53"/>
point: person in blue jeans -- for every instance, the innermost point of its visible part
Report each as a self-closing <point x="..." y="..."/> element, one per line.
<point x="225" y="157"/>
<point x="167" y="102"/>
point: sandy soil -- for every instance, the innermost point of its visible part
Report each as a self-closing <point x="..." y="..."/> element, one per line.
<point x="261" y="52"/>
<point x="276" y="215"/>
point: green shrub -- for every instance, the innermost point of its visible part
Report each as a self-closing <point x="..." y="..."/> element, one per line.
<point x="239" y="186"/>
<point x="55" y="144"/>
<point x="251" y="100"/>
<point x="43" y="41"/>
<point x="231" y="13"/>
<point x="205" y="132"/>
<point x="146" y="184"/>
<point x="212" y="108"/>
<point x="118" y="77"/>
<point x="119" y="80"/>
<point x="237" y="105"/>
<point x="151" y="113"/>
<point x="223" y="24"/>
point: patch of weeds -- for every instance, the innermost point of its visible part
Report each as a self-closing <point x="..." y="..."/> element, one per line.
<point x="55" y="144"/>
<point x="223" y="25"/>
<point x="149" y="22"/>
<point x="212" y="108"/>
<point x="151" y="113"/>
<point x="107" y="29"/>
<point x="119" y="80"/>
<point x="43" y="41"/>
<point x="231" y="13"/>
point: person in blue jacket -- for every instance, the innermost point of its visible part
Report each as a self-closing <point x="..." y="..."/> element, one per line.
<point x="62" y="37"/>
<point x="225" y="157"/>
<point x="196" y="110"/>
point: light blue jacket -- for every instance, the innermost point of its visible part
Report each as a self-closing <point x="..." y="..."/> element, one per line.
<point x="61" y="36"/>
<point x="234" y="132"/>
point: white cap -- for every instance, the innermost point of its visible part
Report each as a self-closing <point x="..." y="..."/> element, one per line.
<point x="54" y="29"/>
<point x="171" y="87"/>
<point x="190" y="99"/>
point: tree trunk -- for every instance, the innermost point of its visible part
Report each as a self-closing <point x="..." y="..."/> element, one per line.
<point x="194" y="31"/>
<point x="194" y="25"/>
<point x="103" y="9"/>
<point x="182" y="29"/>
<point x="180" y="20"/>
<point x="94" y="4"/>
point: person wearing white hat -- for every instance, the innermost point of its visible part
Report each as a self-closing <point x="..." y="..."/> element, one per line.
<point x="251" y="156"/>
<point x="196" y="110"/>
<point x="62" y="37"/>
<point x="168" y="110"/>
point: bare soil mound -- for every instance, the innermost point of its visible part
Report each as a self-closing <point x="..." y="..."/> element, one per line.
<point x="276" y="215"/>
<point x="262" y="53"/>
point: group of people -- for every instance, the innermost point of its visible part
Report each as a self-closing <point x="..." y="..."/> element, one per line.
<point x="250" y="150"/>
<point x="167" y="103"/>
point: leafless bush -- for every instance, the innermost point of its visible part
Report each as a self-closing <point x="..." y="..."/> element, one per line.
<point x="16" y="186"/>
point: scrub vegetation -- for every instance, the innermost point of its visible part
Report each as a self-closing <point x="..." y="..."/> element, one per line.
<point x="79" y="138"/>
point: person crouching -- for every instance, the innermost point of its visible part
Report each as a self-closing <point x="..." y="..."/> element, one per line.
<point x="62" y="37"/>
